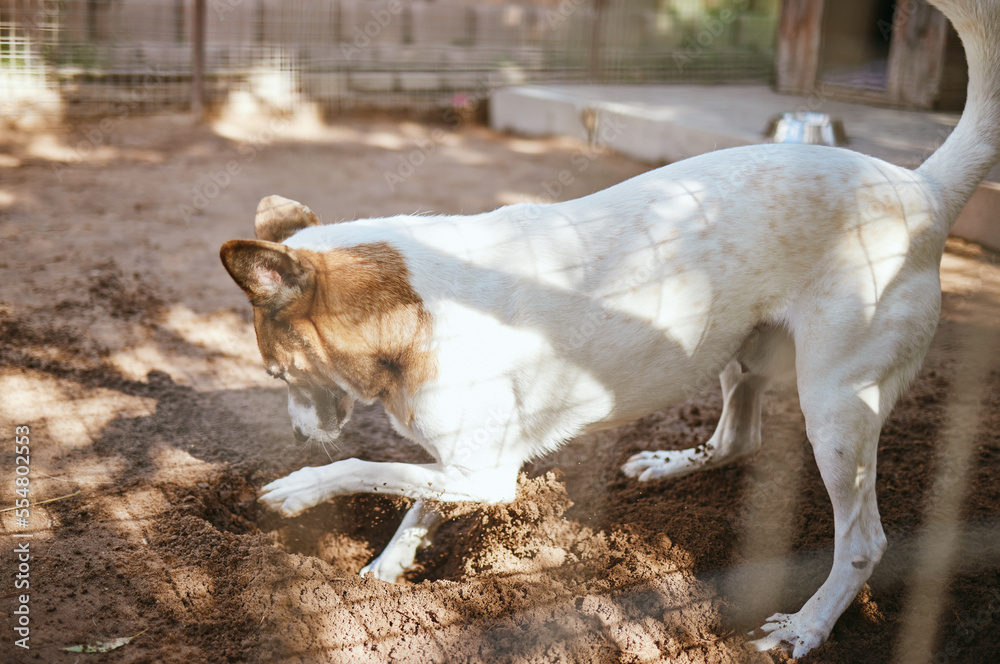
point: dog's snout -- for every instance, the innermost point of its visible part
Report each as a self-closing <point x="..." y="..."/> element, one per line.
<point x="299" y="436"/>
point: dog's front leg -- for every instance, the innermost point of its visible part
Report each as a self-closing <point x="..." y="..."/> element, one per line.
<point x="311" y="486"/>
<point x="414" y="533"/>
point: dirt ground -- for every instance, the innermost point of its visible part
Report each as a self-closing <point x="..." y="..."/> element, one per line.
<point x="128" y="352"/>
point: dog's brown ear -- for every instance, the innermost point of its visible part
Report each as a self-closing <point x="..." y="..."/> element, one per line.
<point x="280" y="218"/>
<point x="271" y="274"/>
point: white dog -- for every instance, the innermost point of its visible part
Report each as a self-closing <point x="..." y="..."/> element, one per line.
<point x="492" y="339"/>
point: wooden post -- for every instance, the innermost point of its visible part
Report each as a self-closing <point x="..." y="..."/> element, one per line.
<point x="917" y="54"/>
<point x="198" y="61"/>
<point x="799" y="34"/>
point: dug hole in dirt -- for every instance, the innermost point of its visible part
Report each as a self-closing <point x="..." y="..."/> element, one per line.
<point x="128" y="353"/>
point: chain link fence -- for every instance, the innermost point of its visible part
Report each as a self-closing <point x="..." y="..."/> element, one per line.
<point x="80" y="57"/>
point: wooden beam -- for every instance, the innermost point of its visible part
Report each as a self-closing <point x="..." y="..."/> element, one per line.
<point x="916" y="54"/>
<point x="799" y="38"/>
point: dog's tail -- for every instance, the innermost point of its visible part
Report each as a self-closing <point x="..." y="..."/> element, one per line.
<point x="973" y="148"/>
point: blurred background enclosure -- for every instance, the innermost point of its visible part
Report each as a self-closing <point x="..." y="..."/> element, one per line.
<point x="84" y="57"/>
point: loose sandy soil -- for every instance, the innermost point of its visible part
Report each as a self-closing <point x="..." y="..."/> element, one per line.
<point x="128" y="352"/>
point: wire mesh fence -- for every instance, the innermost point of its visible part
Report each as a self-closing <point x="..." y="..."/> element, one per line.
<point x="82" y="56"/>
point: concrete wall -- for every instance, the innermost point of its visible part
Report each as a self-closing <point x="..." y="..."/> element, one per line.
<point x="980" y="220"/>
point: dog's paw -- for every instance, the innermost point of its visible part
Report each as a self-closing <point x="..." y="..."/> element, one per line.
<point x="784" y="628"/>
<point x="664" y="463"/>
<point x="398" y="556"/>
<point x="390" y="571"/>
<point x="294" y="493"/>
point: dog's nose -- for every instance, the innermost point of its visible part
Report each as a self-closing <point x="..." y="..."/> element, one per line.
<point x="299" y="436"/>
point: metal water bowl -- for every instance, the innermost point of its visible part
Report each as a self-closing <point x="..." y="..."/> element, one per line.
<point x="811" y="128"/>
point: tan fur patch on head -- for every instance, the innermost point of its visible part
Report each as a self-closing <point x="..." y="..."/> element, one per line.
<point x="365" y="325"/>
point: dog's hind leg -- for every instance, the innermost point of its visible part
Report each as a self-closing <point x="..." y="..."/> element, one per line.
<point x="851" y="370"/>
<point x="415" y="532"/>
<point x="764" y="354"/>
<point x="844" y="438"/>
<point x="737" y="434"/>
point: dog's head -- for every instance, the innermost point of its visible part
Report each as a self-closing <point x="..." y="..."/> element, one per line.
<point x="334" y="325"/>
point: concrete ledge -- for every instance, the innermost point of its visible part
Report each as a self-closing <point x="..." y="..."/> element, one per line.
<point x="655" y="141"/>
<point x="980" y="219"/>
<point x="657" y="134"/>
<point x="537" y="112"/>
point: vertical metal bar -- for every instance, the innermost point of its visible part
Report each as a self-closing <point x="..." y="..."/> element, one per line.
<point x="596" y="30"/>
<point x="260" y="21"/>
<point x="198" y="61"/>
<point x="92" y="10"/>
<point x="179" y="34"/>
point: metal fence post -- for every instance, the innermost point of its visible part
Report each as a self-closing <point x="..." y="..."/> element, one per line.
<point x="198" y="61"/>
